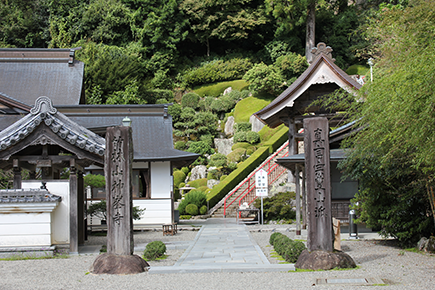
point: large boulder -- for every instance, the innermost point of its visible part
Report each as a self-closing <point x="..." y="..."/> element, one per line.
<point x="227" y="91"/>
<point x="257" y="125"/>
<point x="198" y="172"/>
<point x="427" y="245"/>
<point x="323" y="260"/>
<point x="223" y="146"/>
<point x="229" y="126"/>
<point x="119" y="264"/>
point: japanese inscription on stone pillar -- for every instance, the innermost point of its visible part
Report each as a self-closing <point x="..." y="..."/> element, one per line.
<point x="317" y="165"/>
<point x="117" y="170"/>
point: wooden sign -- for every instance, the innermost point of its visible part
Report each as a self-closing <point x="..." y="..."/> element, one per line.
<point x="318" y="177"/>
<point x="117" y="170"/>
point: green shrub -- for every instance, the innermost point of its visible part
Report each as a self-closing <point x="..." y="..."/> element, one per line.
<point x="242" y="127"/>
<point x="179" y="177"/>
<point x="94" y="180"/>
<point x="252" y="137"/>
<point x="273" y="237"/>
<point x="154" y="250"/>
<point x="185" y="170"/>
<point x="291" y="65"/>
<point x="265" y="78"/>
<point x="237" y="155"/>
<point x="218" y="160"/>
<point x="192" y="209"/>
<point x="293" y="251"/>
<point x="290" y="250"/>
<point x="217" y="70"/>
<point x="203" y="210"/>
<point x="190" y="100"/>
<point x="180" y="145"/>
<point x="277" y="207"/>
<point x="198" y="183"/>
<point x="239" y="137"/>
<point x="193" y="197"/>
<point x="185" y="217"/>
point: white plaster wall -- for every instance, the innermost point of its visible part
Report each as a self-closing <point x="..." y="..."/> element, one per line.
<point x="60" y="216"/>
<point x="161" y="180"/>
<point x="158" y="211"/>
<point x="25" y="229"/>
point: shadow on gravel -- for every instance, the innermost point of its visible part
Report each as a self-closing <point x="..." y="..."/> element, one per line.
<point x="368" y="258"/>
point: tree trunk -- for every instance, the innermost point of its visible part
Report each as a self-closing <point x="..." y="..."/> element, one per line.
<point x="311" y="30"/>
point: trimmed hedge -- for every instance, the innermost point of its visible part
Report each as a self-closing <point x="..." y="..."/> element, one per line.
<point x="219" y="191"/>
<point x="154" y="250"/>
<point x="289" y="249"/>
<point x="277" y="140"/>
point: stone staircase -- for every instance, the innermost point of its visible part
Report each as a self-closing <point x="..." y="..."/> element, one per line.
<point x="232" y="199"/>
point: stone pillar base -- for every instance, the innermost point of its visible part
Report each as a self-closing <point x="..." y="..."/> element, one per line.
<point x="323" y="260"/>
<point x="119" y="264"/>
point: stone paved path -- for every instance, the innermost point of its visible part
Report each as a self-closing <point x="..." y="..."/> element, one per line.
<point x="222" y="246"/>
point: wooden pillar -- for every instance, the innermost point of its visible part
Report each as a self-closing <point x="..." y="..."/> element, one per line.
<point x="317" y="164"/>
<point x="304" y="201"/>
<point x="292" y="144"/>
<point x="81" y="200"/>
<point x="298" y="201"/>
<point x="17" y="175"/>
<point x="73" y="212"/>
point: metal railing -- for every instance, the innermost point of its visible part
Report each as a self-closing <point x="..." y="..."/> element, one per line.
<point x="274" y="171"/>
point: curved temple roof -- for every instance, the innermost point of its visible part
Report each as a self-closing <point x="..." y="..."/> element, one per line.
<point x="44" y="113"/>
<point x="323" y="70"/>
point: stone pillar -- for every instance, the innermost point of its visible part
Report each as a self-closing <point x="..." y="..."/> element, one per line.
<point x="316" y="145"/>
<point x="74" y="214"/>
<point x="118" y="172"/>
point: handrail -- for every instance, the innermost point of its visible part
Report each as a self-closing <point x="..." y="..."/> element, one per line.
<point x="248" y="179"/>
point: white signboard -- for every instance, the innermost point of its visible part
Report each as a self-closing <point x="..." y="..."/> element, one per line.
<point x="261" y="183"/>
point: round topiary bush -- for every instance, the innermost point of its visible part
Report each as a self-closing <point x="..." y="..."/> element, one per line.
<point x="273" y="237"/>
<point x="190" y="100"/>
<point x="192" y="209"/>
<point x="252" y="137"/>
<point x="203" y="210"/>
<point x="154" y="250"/>
<point x="293" y="251"/>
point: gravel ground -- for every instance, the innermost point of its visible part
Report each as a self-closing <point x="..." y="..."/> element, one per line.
<point x="376" y="259"/>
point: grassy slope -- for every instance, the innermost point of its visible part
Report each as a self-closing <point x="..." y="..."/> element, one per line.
<point x="216" y="89"/>
<point x="246" y="107"/>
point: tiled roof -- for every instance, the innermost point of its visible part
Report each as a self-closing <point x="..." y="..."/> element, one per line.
<point x="27" y="196"/>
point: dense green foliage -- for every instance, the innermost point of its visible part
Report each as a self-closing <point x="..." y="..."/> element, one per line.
<point x="277" y="207"/>
<point x="159" y="45"/>
<point x="192" y="209"/>
<point x="154" y="250"/>
<point x="392" y="156"/>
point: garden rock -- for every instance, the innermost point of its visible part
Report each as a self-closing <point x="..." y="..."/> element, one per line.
<point x="119" y="264"/>
<point x="229" y="126"/>
<point x="212" y="182"/>
<point x="223" y="146"/>
<point x="257" y="125"/>
<point x="323" y="260"/>
<point x="421" y="246"/>
<point x="228" y="90"/>
<point x="198" y="172"/>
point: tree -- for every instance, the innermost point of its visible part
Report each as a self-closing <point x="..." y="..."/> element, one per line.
<point x="393" y="156"/>
<point x="224" y="19"/>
